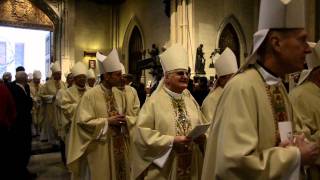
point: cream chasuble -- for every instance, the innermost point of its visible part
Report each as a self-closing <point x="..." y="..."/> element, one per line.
<point x="243" y="141"/>
<point x="209" y="104"/>
<point x="132" y="104"/>
<point x="50" y="124"/>
<point x="306" y="101"/>
<point x="162" y="117"/>
<point x="50" y="89"/>
<point x="67" y="101"/>
<point x="104" y="147"/>
<point x="35" y="95"/>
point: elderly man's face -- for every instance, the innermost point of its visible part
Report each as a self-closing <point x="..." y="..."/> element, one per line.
<point x="293" y="48"/>
<point x="177" y="81"/>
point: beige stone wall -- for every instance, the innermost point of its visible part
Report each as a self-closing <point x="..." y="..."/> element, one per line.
<point x="150" y="17"/>
<point x="209" y="17"/>
<point x="92" y="24"/>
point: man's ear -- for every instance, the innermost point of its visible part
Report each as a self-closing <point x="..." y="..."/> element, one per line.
<point x="275" y="41"/>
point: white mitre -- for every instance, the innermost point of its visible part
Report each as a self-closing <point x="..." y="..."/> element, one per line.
<point x="226" y="63"/>
<point x="100" y="57"/>
<point x="36" y="74"/>
<point x="123" y="70"/>
<point x="79" y="69"/>
<point x="276" y="14"/>
<point x="91" y="74"/>
<point x="174" y="58"/>
<point x="112" y="62"/>
<point x="313" y="61"/>
<point x="55" y="67"/>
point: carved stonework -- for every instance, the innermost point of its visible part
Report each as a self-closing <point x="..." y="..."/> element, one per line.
<point x="23" y="13"/>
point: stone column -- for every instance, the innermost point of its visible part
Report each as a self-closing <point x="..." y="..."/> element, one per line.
<point x="181" y="30"/>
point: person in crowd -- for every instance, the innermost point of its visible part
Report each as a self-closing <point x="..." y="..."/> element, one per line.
<point x="202" y="90"/>
<point x="7" y="77"/>
<point x="226" y="66"/>
<point x="91" y="78"/>
<point x="69" y="79"/>
<point x="7" y="119"/>
<point x="99" y="136"/>
<point x="161" y="147"/>
<point x="35" y="87"/>
<point x="255" y="134"/>
<point x="48" y="92"/>
<point x="67" y="101"/>
<point x="20" y="131"/>
<point x="305" y="98"/>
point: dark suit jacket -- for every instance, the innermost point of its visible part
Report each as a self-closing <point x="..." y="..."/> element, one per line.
<point x="21" y="129"/>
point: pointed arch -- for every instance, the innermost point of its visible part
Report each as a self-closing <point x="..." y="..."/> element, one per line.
<point x="232" y="25"/>
<point x="132" y="25"/>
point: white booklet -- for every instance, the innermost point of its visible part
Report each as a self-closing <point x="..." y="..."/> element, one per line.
<point x="198" y="130"/>
<point x="285" y="130"/>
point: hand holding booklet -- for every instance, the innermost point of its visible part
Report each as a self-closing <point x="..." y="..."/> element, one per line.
<point x="198" y="130"/>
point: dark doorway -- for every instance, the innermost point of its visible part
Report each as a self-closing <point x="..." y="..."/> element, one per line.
<point x="229" y="38"/>
<point x="135" y="49"/>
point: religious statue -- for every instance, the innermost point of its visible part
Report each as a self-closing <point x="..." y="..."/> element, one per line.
<point x="154" y="51"/>
<point x="200" y="61"/>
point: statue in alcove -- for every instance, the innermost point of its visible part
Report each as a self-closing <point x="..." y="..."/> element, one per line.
<point x="200" y="61"/>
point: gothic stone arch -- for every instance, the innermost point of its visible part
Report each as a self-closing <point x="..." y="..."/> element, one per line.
<point x="230" y="34"/>
<point x="133" y="24"/>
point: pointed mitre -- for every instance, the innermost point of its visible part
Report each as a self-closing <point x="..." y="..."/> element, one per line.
<point x="112" y="62"/>
<point x="277" y="14"/>
<point x="123" y="70"/>
<point x="55" y="67"/>
<point x="174" y="58"/>
<point x="313" y="59"/>
<point x="79" y="69"/>
<point x="226" y="63"/>
<point x="91" y="74"/>
<point x="100" y="57"/>
<point x="36" y="74"/>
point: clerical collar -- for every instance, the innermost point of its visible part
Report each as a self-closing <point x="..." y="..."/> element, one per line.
<point x="267" y="76"/>
<point x="173" y="94"/>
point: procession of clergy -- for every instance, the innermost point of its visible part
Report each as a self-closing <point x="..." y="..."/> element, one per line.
<point x="247" y="128"/>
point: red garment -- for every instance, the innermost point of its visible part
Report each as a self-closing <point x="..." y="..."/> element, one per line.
<point x="7" y="107"/>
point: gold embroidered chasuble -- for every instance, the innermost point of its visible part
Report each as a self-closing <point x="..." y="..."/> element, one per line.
<point x="306" y="101"/>
<point x="161" y="119"/>
<point x="107" y="154"/>
<point x="243" y="141"/>
<point x="209" y="104"/>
